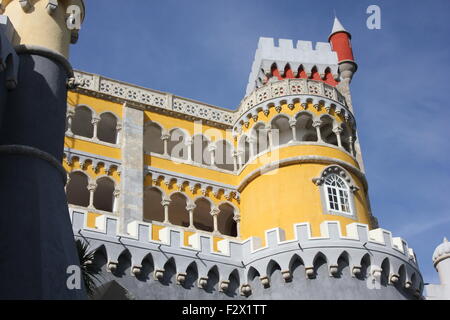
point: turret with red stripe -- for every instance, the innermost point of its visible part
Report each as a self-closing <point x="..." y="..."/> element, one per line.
<point x="340" y="40"/>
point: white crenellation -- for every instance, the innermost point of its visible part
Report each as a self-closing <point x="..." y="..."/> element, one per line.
<point x="321" y="57"/>
<point x="359" y="245"/>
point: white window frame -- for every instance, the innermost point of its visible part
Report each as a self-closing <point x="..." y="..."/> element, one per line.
<point x="349" y="187"/>
<point x="338" y="195"/>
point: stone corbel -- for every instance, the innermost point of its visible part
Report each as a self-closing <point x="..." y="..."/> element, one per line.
<point x="51" y="7"/>
<point x="246" y="290"/>
<point x="158" y="274"/>
<point x="112" y="266"/>
<point x="265" y="281"/>
<point x="224" y="284"/>
<point x="136" y="270"/>
<point x="181" y="278"/>
<point x="334" y="270"/>
<point x="287" y="276"/>
<point x="202" y="282"/>
<point x="310" y="273"/>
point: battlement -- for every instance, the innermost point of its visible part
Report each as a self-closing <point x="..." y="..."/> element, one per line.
<point x="368" y="253"/>
<point x="303" y="54"/>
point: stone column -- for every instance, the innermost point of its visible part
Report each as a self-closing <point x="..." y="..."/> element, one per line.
<point x="95" y="121"/>
<point x="118" y="133"/>
<point x="165" y="138"/>
<point x="70" y="115"/>
<point x="292" y="124"/>
<point x="91" y="187"/>
<point x="116" y="195"/>
<point x="189" y="143"/>
<point x="337" y="131"/>
<point x="235" y="160"/>
<point x="350" y="142"/>
<point x="241" y="155"/>
<point x="212" y="150"/>
<point x="132" y="175"/>
<point x="270" y="137"/>
<point x="316" y="124"/>
<point x="190" y="208"/>
<point x="252" y="141"/>
<point x="237" y="218"/>
<point x="165" y="203"/>
<point x="215" y="212"/>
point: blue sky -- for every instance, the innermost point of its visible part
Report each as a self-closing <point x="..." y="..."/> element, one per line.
<point x="203" y="49"/>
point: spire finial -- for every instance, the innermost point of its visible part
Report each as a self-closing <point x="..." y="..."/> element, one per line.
<point x="445" y="239"/>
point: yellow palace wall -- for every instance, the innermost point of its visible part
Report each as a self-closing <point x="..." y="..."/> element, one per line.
<point x="268" y="201"/>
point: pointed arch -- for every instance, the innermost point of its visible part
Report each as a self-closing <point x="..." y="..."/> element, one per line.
<point x="82" y="121"/>
<point x="329" y="78"/>
<point x="288" y="74"/>
<point x="301" y="74"/>
<point x="281" y="130"/>
<point x="225" y="220"/>
<point x="260" y="137"/>
<point x="153" y="142"/>
<point x="274" y="72"/>
<point x="244" y="148"/>
<point x="315" y="74"/>
<point x="153" y="208"/>
<point x="203" y="219"/>
<point x="199" y="149"/>
<point x="107" y="127"/>
<point x="191" y="276"/>
<point x="304" y="127"/>
<point x="177" y="144"/>
<point x="326" y="130"/>
<point x="77" y="189"/>
<point x="178" y="214"/>
<point x="104" y="194"/>
<point x="224" y="155"/>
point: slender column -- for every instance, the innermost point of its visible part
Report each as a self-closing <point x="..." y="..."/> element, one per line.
<point x="165" y="203"/>
<point x="270" y="137"/>
<point x="70" y="115"/>
<point x="252" y="141"/>
<point x="190" y="208"/>
<point x="116" y="195"/>
<point x="118" y="133"/>
<point x="215" y="213"/>
<point x="189" y="143"/>
<point x="95" y="121"/>
<point x="292" y="124"/>
<point x="316" y="124"/>
<point x="241" y="159"/>
<point x="91" y="187"/>
<point x="165" y="138"/>
<point x="237" y="218"/>
<point x="337" y="131"/>
<point x="212" y="150"/>
<point x="235" y="160"/>
<point x="350" y="142"/>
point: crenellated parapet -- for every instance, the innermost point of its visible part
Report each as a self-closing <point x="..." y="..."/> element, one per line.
<point x="295" y="61"/>
<point x="374" y="257"/>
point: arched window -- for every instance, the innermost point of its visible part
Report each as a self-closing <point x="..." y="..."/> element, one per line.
<point x="177" y="147"/>
<point x="107" y="128"/>
<point x="153" y="209"/>
<point x="199" y="150"/>
<point x="223" y="155"/>
<point x="326" y="130"/>
<point x="178" y="214"/>
<point x="104" y="195"/>
<point x="337" y="194"/>
<point x="82" y="122"/>
<point x="260" y="138"/>
<point x="304" y="127"/>
<point x="77" y="191"/>
<point x="203" y="219"/>
<point x="226" y="223"/>
<point x="281" y="130"/>
<point x="152" y="138"/>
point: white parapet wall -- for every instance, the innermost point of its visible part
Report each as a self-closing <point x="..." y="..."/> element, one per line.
<point x="321" y="57"/>
<point x="374" y="251"/>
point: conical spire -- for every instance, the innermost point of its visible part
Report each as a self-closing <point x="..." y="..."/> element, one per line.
<point x="338" y="27"/>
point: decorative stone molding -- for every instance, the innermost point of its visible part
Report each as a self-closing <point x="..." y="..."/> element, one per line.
<point x="51" y="6"/>
<point x="96" y="160"/>
<point x="151" y="99"/>
<point x="25" y="4"/>
<point x="191" y="182"/>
